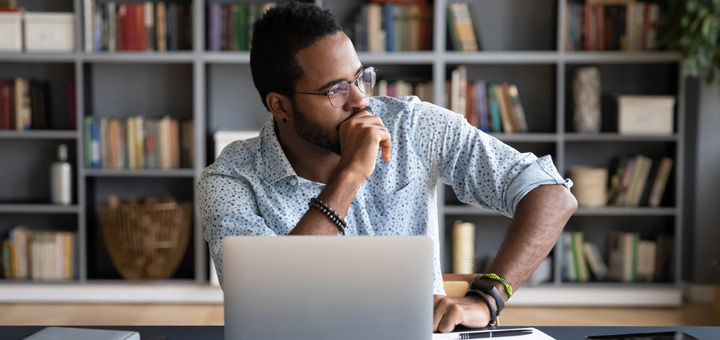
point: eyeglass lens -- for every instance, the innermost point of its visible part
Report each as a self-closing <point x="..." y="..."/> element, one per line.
<point x="340" y="92"/>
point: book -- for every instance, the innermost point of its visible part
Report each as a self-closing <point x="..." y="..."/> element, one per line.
<point x="646" y="256"/>
<point x="518" y="109"/>
<point x="581" y="269"/>
<point x="661" y="180"/>
<point x="509" y="108"/>
<point x="461" y="27"/>
<point x="497" y="123"/>
<point x="595" y="261"/>
<point x="502" y="104"/>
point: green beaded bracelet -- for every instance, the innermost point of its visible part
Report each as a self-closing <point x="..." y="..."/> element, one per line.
<point x="495" y="277"/>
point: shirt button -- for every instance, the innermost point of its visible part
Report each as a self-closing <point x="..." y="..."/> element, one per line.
<point x="293" y="181"/>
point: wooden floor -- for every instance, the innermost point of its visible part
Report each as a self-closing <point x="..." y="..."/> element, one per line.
<point x="176" y="314"/>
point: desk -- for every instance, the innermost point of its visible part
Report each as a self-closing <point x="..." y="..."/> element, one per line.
<point x="216" y="332"/>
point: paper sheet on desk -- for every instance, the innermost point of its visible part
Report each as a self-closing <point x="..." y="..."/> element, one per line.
<point x="536" y="335"/>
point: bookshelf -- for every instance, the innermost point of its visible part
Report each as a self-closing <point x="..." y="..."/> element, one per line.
<point x="215" y="90"/>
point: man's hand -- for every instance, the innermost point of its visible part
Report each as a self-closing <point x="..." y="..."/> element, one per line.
<point x="471" y="311"/>
<point x="360" y="137"/>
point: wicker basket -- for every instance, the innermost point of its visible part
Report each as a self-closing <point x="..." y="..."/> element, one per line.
<point x="146" y="239"/>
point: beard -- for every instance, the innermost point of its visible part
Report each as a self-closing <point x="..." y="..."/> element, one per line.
<point x="313" y="133"/>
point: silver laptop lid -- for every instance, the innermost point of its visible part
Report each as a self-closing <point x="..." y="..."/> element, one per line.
<point x="319" y="287"/>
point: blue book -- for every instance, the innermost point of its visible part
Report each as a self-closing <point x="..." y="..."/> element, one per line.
<point x="481" y="105"/>
<point x="95" y="144"/>
<point x="388" y="25"/>
<point x="494" y="109"/>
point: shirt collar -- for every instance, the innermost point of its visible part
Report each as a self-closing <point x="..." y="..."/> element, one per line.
<point x="273" y="164"/>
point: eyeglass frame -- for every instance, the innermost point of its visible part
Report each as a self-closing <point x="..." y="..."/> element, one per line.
<point x="327" y="94"/>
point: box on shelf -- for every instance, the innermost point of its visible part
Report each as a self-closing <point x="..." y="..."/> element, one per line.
<point x="645" y="114"/>
<point x="10" y="32"/>
<point x="49" y="32"/>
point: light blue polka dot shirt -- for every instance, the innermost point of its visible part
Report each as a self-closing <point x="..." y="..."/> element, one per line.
<point x="252" y="189"/>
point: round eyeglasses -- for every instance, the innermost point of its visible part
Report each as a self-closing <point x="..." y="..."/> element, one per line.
<point x="340" y="91"/>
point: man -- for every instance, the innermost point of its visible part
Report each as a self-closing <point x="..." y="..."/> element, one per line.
<point x="332" y="161"/>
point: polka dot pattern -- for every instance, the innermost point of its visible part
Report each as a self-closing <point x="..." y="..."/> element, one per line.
<point x="252" y="189"/>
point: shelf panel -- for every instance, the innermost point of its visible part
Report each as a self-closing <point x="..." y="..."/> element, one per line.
<point x="39" y="209"/>
<point x="609" y="57"/>
<point x="122" y="292"/>
<point x="617" y="211"/>
<point x="38" y="134"/>
<point x="492" y="57"/>
<point x="526" y="137"/>
<point x="615" y="137"/>
<point x="139" y="57"/>
<point x="582" y="211"/>
<point x="400" y="58"/>
<point x="38" y="57"/>
<point x="227" y="57"/>
<point x="139" y="173"/>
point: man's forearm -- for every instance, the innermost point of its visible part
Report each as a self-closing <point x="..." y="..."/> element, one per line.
<point x="539" y="218"/>
<point x="338" y="194"/>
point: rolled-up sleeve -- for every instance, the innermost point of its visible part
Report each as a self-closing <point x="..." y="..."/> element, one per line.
<point x="540" y="172"/>
<point x="481" y="169"/>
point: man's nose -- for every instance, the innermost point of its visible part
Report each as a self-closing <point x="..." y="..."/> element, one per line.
<point x="357" y="100"/>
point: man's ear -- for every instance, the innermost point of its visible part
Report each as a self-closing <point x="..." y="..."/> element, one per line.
<point x="279" y="106"/>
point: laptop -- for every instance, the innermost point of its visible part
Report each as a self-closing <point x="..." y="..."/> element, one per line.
<point x="320" y="287"/>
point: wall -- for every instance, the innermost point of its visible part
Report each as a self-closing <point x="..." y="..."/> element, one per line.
<point x="702" y="258"/>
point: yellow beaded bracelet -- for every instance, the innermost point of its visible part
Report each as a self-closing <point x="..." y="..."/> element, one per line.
<point x="495" y="277"/>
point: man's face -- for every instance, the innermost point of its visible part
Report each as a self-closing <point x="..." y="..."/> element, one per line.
<point x="324" y="64"/>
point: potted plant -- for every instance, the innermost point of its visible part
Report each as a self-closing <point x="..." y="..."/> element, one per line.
<point x="693" y="28"/>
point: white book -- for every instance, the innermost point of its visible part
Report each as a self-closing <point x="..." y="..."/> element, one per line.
<point x="150" y="25"/>
<point x="646" y="253"/>
<point x="88" y="17"/>
<point x="112" y="26"/>
<point x="594" y="259"/>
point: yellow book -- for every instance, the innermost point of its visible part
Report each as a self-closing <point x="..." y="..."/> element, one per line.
<point x="463" y="27"/>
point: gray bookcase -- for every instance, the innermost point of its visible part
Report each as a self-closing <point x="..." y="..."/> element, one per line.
<point x="522" y="43"/>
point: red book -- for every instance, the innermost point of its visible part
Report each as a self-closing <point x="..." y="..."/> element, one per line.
<point x="122" y="14"/>
<point x="4" y="105"/>
<point x="130" y="27"/>
<point x="140" y="33"/>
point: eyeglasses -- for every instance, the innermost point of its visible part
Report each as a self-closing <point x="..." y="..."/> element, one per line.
<point x="340" y="92"/>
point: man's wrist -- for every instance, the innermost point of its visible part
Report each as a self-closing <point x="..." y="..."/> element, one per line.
<point x="348" y="177"/>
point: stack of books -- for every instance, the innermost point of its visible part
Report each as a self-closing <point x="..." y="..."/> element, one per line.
<point x="491" y="107"/>
<point x="39" y="255"/>
<point x="138" y="143"/>
<point x="393" y="25"/>
<point x="638" y="181"/>
<point x="143" y="26"/>
<point x="25" y="105"/>
<point x="611" y="25"/>
<point x="230" y="26"/>
<point x="631" y="259"/>
<point x="401" y="88"/>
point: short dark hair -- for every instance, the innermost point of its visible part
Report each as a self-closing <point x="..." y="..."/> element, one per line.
<point x="278" y="36"/>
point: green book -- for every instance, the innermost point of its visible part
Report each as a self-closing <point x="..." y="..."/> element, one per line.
<point x="241" y="27"/>
<point x="87" y="142"/>
<point x="455" y="44"/>
<point x="252" y="14"/>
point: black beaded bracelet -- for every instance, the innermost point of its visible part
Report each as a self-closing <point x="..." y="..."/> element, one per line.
<point x="329" y="212"/>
